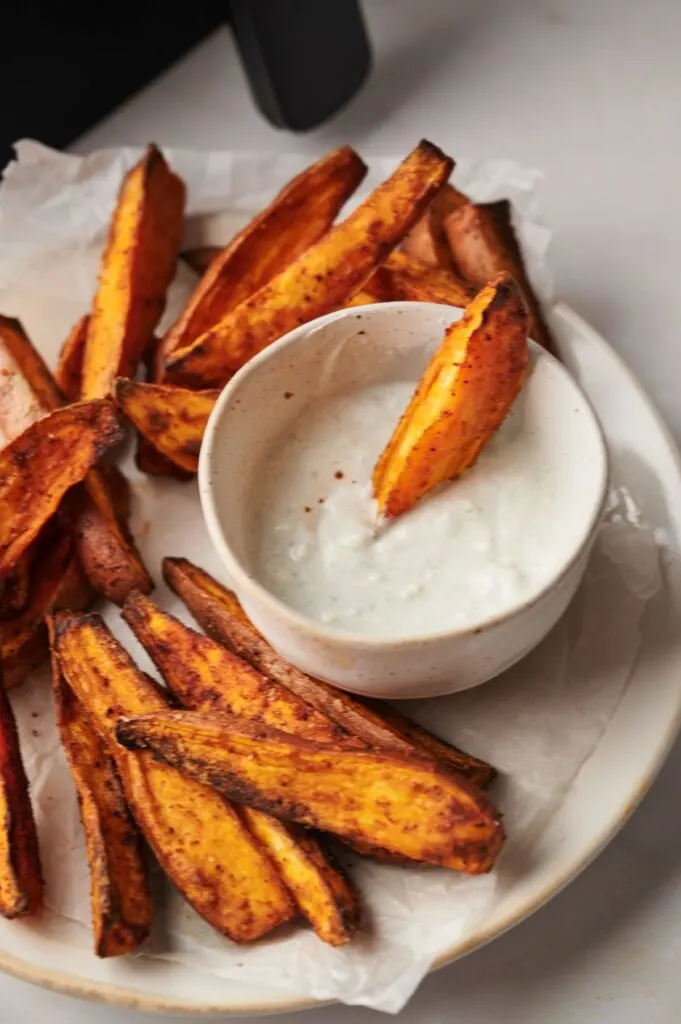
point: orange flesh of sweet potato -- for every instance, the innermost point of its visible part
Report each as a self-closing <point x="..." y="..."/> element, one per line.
<point x="120" y="896"/>
<point x="200" y="841"/>
<point x="218" y="612"/>
<point x="296" y="218"/>
<point x="39" y="466"/>
<point x="321" y="279"/>
<point x="91" y="514"/>
<point x="21" y="880"/>
<point x="204" y="676"/>
<point x="410" y="807"/>
<point x="148" y="458"/>
<point x="462" y="398"/>
<point x="483" y="244"/>
<point x="411" y="280"/>
<point x="172" y="419"/>
<point x="200" y="671"/>
<point x="427" y="240"/>
<point x="137" y="267"/>
<point x="69" y="373"/>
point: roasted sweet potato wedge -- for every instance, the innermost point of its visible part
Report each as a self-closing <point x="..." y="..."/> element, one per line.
<point x="322" y="891"/>
<point x="427" y="240"/>
<point x="321" y="279"/>
<point x="21" y="879"/>
<point x="40" y="465"/>
<point x="406" y="278"/>
<point x="69" y="372"/>
<point x="462" y="398"/>
<point x="204" y="676"/>
<point x="218" y="612"/>
<point x="56" y="581"/>
<point x="103" y="542"/>
<point x="296" y="218"/>
<point x="483" y="244"/>
<point x="15" y="586"/>
<point x="172" y="419"/>
<point x="29" y="364"/>
<point x="120" y="896"/>
<point x="148" y="458"/>
<point x="137" y="266"/>
<point x="91" y="512"/>
<point x="200" y="841"/>
<point x="409" y="806"/>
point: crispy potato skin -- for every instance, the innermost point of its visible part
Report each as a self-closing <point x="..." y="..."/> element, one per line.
<point x="94" y="512"/>
<point x="172" y="419"/>
<point x="427" y="240"/>
<point x="39" y="466"/>
<point x="120" y="896"/>
<point x="104" y="545"/>
<point x="218" y="612"/>
<point x="21" y="880"/>
<point x="320" y="280"/>
<point x="411" y="806"/>
<point x="204" y="676"/>
<point x="15" y="586"/>
<point x="462" y="398"/>
<point x="148" y="458"/>
<point x="483" y="244"/>
<point x="297" y="218"/>
<point x="137" y="266"/>
<point x="200" y="841"/>
<point x="69" y="372"/>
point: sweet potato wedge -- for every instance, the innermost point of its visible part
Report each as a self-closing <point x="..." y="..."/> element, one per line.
<point x="40" y="465"/>
<point x="21" y="879"/>
<point x="204" y="676"/>
<point x="200" y="841"/>
<point x="462" y="398"/>
<point x="295" y="219"/>
<point x="120" y="896"/>
<point x="69" y="372"/>
<point x="31" y="366"/>
<point x="148" y="458"/>
<point x="137" y="266"/>
<point x="483" y="244"/>
<point x="321" y="279"/>
<point x="91" y="512"/>
<point x="103" y="542"/>
<point x="56" y="581"/>
<point x="218" y="612"/>
<point x="412" y="280"/>
<point x="409" y="806"/>
<point x="427" y="240"/>
<point x="15" y="586"/>
<point x="172" y="419"/>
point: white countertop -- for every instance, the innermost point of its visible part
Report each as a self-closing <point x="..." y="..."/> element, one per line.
<point x="590" y="92"/>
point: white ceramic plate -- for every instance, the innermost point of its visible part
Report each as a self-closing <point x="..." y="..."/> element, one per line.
<point x="607" y="789"/>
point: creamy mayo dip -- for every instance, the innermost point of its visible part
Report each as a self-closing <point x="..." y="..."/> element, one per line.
<point x="471" y="550"/>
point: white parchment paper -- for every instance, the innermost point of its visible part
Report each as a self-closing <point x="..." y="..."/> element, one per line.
<point x="538" y="722"/>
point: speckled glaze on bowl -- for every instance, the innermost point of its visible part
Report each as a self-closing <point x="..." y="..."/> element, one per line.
<point x="354" y="348"/>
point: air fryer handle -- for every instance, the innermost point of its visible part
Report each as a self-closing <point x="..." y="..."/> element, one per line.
<point x="304" y="59"/>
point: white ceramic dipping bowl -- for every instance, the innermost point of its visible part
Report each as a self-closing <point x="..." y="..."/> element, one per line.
<point x="352" y="349"/>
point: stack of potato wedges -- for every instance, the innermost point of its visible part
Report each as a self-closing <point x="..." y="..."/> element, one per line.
<point x="235" y="773"/>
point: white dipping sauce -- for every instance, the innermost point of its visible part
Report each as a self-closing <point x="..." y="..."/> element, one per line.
<point x="470" y="551"/>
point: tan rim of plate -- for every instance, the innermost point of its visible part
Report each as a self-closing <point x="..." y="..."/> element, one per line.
<point x="130" y="999"/>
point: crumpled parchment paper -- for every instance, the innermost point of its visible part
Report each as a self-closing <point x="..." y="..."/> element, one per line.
<point x="538" y="722"/>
